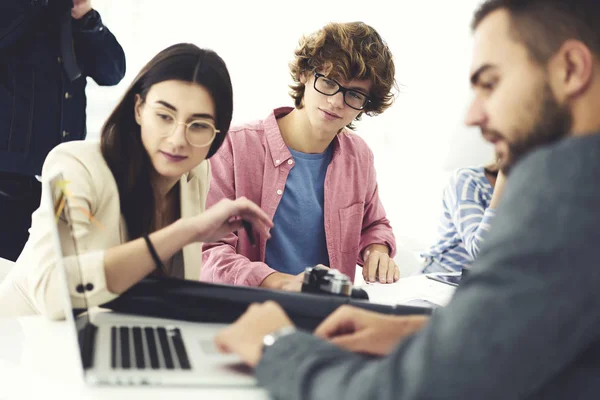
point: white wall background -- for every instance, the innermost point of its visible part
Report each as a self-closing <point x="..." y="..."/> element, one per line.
<point x="416" y="142"/>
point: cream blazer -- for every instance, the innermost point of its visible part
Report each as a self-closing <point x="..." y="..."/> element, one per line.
<point x="34" y="286"/>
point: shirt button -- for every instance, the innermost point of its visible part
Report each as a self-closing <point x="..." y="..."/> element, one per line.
<point x="65" y="134"/>
<point x="277" y="162"/>
<point x="79" y="288"/>
<point x="290" y="162"/>
<point x="68" y="95"/>
<point x="279" y="191"/>
<point x="89" y="287"/>
<point x="59" y="60"/>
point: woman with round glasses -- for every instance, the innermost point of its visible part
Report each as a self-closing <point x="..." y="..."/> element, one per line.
<point x="309" y="172"/>
<point x="137" y="198"/>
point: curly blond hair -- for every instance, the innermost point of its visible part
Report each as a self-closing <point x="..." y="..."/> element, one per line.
<point x="346" y="51"/>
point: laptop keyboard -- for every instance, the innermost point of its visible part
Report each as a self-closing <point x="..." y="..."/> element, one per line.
<point x="147" y="347"/>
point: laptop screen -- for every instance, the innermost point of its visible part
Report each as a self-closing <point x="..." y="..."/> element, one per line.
<point x="140" y="347"/>
<point x="67" y="255"/>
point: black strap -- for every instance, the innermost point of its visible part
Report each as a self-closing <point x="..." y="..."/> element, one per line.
<point x="154" y="254"/>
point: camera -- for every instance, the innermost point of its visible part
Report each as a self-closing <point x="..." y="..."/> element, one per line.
<point x="322" y="280"/>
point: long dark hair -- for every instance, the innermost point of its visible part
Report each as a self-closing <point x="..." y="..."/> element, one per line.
<point x="121" y="141"/>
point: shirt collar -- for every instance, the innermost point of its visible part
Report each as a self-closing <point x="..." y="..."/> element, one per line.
<point x="278" y="149"/>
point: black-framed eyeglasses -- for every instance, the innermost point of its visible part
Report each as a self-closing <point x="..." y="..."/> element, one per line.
<point x="329" y="87"/>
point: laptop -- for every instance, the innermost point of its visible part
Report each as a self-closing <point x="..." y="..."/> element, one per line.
<point x="122" y="349"/>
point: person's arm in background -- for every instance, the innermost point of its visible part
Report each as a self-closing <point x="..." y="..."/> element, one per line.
<point x="377" y="242"/>
<point x="221" y="262"/>
<point x="519" y="321"/>
<point x="471" y="219"/>
<point x="498" y="190"/>
<point x="19" y="16"/>
<point x="99" y="54"/>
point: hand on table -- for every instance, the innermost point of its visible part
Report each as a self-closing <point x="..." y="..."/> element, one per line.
<point x="379" y="266"/>
<point x="368" y="332"/>
<point x="245" y="336"/>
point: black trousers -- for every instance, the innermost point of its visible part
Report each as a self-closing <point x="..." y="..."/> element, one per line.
<point x="19" y="197"/>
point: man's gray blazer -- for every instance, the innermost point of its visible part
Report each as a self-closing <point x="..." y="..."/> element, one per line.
<point x="524" y="324"/>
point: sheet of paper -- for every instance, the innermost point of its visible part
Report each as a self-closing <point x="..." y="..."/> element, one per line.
<point x="406" y="289"/>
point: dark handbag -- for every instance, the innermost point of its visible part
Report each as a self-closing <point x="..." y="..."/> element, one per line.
<point x="205" y="302"/>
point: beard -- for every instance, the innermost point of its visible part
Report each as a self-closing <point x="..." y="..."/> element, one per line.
<point x="553" y="122"/>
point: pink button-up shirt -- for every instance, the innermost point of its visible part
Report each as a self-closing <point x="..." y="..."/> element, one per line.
<point x="255" y="162"/>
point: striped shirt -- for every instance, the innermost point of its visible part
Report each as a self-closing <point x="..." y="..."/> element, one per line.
<point x="465" y="221"/>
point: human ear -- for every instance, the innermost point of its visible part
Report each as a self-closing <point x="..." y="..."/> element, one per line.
<point x="138" y="108"/>
<point x="303" y="77"/>
<point x="571" y="69"/>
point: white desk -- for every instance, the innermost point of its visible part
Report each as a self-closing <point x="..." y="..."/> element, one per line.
<point x="37" y="359"/>
<point x="406" y="289"/>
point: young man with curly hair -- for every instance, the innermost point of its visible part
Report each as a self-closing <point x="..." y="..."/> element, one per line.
<point x="309" y="172"/>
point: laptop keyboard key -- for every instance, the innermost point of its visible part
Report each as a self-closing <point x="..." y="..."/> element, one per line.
<point x="150" y="340"/>
<point x="180" y="348"/>
<point x="164" y="346"/>
<point x="138" y="346"/>
<point x="113" y="347"/>
<point x="124" y="336"/>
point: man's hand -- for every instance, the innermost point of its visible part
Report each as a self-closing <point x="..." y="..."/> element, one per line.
<point x="294" y="284"/>
<point x="379" y="266"/>
<point x="80" y="8"/>
<point x="287" y="282"/>
<point x="281" y="281"/>
<point x="245" y="336"/>
<point x="368" y="332"/>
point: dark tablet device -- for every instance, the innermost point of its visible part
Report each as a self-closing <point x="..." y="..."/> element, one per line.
<point x="449" y="278"/>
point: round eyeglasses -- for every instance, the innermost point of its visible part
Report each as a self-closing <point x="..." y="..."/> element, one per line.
<point x="329" y="87"/>
<point x="198" y="132"/>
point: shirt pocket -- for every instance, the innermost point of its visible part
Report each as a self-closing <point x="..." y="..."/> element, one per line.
<point x="350" y="227"/>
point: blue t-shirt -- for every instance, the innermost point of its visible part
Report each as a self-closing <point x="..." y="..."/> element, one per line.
<point x="298" y="237"/>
